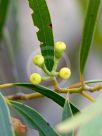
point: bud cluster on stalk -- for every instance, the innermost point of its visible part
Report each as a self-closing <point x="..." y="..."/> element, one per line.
<point x="38" y="60"/>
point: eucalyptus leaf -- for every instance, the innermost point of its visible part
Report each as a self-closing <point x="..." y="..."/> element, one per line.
<point x="33" y="119"/>
<point x="83" y="5"/>
<point x="3" y="14"/>
<point x="48" y="93"/>
<point x="40" y="134"/>
<point x="67" y="113"/>
<point x="89" y="113"/>
<point x="88" y="31"/>
<point x="93" y="81"/>
<point x="92" y="128"/>
<point x="42" y="20"/>
<point x="5" y="119"/>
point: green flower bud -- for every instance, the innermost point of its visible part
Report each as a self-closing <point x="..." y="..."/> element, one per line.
<point x="35" y="78"/>
<point x="59" y="49"/>
<point x="38" y="60"/>
<point x="65" y="73"/>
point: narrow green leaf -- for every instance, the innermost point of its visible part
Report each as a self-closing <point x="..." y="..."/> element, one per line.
<point x="67" y="113"/>
<point x="42" y="20"/>
<point x="5" y="119"/>
<point x="98" y="33"/>
<point x="3" y="12"/>
<point x="40" y="134"/>
<point x="93" y="81"/>
<point x="86" y="115"/>
<point x="48" y="93"/>
<point x="92" y="128"/>
<point x="83" y="5"/>
<point x="33" y="119"/>
<point x="88" y="31"/>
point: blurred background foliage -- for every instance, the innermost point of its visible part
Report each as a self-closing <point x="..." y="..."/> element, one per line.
<point x="19" y="43"/>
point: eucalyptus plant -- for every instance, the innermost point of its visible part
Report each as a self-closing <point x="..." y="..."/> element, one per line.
<point x="87" y="122"/>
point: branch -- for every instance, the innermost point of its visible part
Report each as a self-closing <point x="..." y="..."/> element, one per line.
<point x="87" y="96"/>
<point x="6" y="85"/>
<point x="57" y="89"/>
<point x="24" y="96"/>
<point x="93" y="89"/>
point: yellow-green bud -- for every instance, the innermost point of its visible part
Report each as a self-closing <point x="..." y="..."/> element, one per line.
<point x="59" y="48"/>
<point x="38" y="60"/>
<point x="65" y="73"/>
<point x="35" y="78"/>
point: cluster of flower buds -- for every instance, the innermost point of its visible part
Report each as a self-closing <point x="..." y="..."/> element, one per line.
<point x="38" y="60"/>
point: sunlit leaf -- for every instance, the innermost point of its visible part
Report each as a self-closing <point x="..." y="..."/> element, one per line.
<point x="42" y="20"/>
<point x="86" y="115"/>
<point x="92" y="128"/>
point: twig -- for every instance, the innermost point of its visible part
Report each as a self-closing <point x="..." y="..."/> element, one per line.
<point x="55" y="84"/>
<point x="6" y="85"/>
<point x="75" y="85"/>
<point x="57" y="89"/>
<point x="66" y="90"/>
<point x="24" y="96"/>
<point x="82" y="80"/>
<point x="87" y="96"/>
<point x="93" y="89"/>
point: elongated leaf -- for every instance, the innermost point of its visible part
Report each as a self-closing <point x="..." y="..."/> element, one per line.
<point x="5" y="119"/>
<point x="41" y="19"/>
<point x="3" y="12"/>
<point x="98" y="33"/>
<point x="87" y="82"/>
<point x="93" y="81"/>
<point x="88" y="32"/>
<point x="67" y="113"/>
<point x="92" y="128"/>
<point x="83" y="5"/>
<point x="40" y="134"/>
<point x="48" y="93"/>
<point x="89" y="113"/>
<point x="34" y="119"/>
